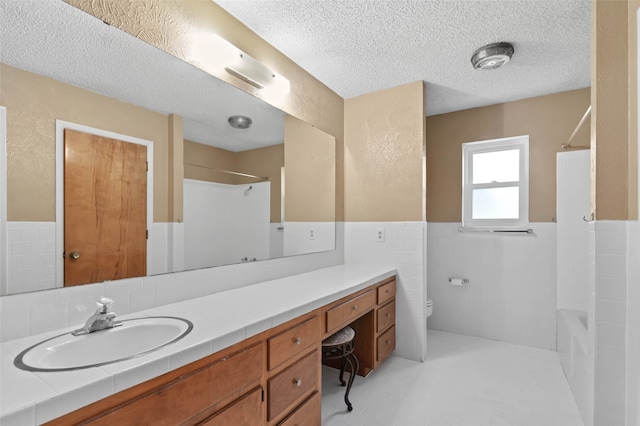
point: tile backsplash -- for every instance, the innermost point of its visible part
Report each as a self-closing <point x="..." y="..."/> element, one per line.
<point x="36" y="312"/>
<point x="31" y="256"/>
<point x="401" y="245"/>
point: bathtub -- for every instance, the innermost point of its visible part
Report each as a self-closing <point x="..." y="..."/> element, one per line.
<point x="572" y="346"/>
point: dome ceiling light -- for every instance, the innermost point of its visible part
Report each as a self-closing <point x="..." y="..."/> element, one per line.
<point x="240" y="122"/>
<point x="492" y="56"/>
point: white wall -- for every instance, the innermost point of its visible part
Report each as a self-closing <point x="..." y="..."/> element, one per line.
<point x="404" y="249"/>
<point x="31" y="253"/>
<point x="225" y="223"/>
<point x="633" y="324"/>
<point x="609" y="311"/>
<point x="511" y="295"/>
<point x="308" y="237"/>
<point x="572" y="205"/>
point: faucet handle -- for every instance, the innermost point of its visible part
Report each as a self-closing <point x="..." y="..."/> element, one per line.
<point x="104" y="305"/>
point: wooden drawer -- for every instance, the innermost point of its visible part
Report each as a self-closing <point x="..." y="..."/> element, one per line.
<point x="342" y="314"/>
<point x="386" y="316"/>
<point x="293" y="341"/>
<point x="386" y="292"/>
<point x="308" y="414"/>
<point x="180" y="400"/>
<point x="289" y="388"/>
<point x="386" y="344"/>
<point x="244" y="411"/>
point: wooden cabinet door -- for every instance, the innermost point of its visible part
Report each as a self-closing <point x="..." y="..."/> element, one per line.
<point x="181" y="400"/>
<point x="308" y="414"/>
<point x="246" y="411"/>
<point x="105" y="209"/>
<point x="290" y="387"/>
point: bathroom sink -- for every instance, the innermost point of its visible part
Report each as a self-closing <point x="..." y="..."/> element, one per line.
<point x="135" y="337"/>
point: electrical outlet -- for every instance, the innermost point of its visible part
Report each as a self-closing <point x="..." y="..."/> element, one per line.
<point x="312" y="233"/>
<point x="380" y="235"/>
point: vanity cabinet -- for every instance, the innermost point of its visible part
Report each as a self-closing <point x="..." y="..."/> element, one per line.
<point x="245" y="411"/>
<point x="385" y="320"/>
<point x="273" y="378"/>
<point x="372" y="315"/>
<point x="183" y="396"/>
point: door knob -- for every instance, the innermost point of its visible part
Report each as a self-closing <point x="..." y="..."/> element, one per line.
<point x="74" y="255"/>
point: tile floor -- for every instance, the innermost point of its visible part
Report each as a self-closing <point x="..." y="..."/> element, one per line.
<point x="466" y="381"/>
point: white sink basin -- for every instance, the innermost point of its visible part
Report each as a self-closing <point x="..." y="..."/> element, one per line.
<point x="135" y="337"/>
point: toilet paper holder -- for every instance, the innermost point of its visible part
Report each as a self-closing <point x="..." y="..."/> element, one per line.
<point x="458" y="281"/>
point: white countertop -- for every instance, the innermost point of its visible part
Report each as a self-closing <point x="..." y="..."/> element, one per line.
<point x="220" y="320"/>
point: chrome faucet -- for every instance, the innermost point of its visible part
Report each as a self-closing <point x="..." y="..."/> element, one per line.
<point x="102" y="319"/>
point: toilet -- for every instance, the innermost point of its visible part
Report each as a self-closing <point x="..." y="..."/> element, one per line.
<point x="429" y="307"/>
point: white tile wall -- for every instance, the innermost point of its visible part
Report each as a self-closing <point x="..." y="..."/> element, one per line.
<point x="32" y="313"/>
<point x="403" y="248"/>
<point x="297" y="237"/>
<point x="633" y="325"/>
<point x="572" y="204"/>
<point x="31" y="256"/>
<point x="610" y="322"/>
<point x="511" y="295"/>
<point x="276" y="240"/>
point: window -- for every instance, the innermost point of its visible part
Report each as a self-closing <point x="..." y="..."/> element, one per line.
<point x="495" y="182"/>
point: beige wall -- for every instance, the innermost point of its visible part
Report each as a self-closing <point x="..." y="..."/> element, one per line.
<point x="211" y="159"/>
<point x="548" y="120"/>
<point x="610" y="160"/>
<point x="310" y="163"/>
<point x="33" y="104"/>
<point x="183" y="22"/>
<point x="264" y="162"/>
<point x="384" y="151"/>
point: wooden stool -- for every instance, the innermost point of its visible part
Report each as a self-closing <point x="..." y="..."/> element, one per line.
<point x="340" y="346"/>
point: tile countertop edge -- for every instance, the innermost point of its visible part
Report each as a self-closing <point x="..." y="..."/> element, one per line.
<point x="314" y="289"/>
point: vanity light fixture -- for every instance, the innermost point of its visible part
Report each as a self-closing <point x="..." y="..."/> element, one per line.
<point x="253" y="72"/>
<point x="492" y="56"/>
<point x="240" y="122"/>
<point x="214" y="54"/>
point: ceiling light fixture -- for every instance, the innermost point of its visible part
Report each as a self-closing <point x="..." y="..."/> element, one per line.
<point x="240" y="122"/>
<point x="492" y="56"/>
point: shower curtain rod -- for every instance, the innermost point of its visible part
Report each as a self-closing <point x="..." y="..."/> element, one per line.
<point x="262" y="178"/>
<point x="568" y="146"/>
<point x="496" y="230"/>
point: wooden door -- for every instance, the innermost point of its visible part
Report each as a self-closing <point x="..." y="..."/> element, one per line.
<point x="105" y="209"/>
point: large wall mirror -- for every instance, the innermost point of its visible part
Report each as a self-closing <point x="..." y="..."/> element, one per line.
<point x="214" y="194"/>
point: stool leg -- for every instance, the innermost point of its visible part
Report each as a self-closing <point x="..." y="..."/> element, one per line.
<point x="354" y="370"/>
<point x="342" y="366"/>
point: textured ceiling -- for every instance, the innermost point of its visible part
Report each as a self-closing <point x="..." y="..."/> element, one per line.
<point x="354" y="47"/>
<point x="361" y="46"/>
<point x="52" y="38"/>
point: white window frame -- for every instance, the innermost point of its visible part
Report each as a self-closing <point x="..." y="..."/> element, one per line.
<point x="505" y="144"/>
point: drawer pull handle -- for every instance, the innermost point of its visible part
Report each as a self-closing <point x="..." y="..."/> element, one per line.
<point x="388" y="342"/>
<point x="355" y="307"/>
<point x="297" y="382"/>
<point x="387" y="291"/>
<point x="297" y="341"/>
<point x="388" y="315"/>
